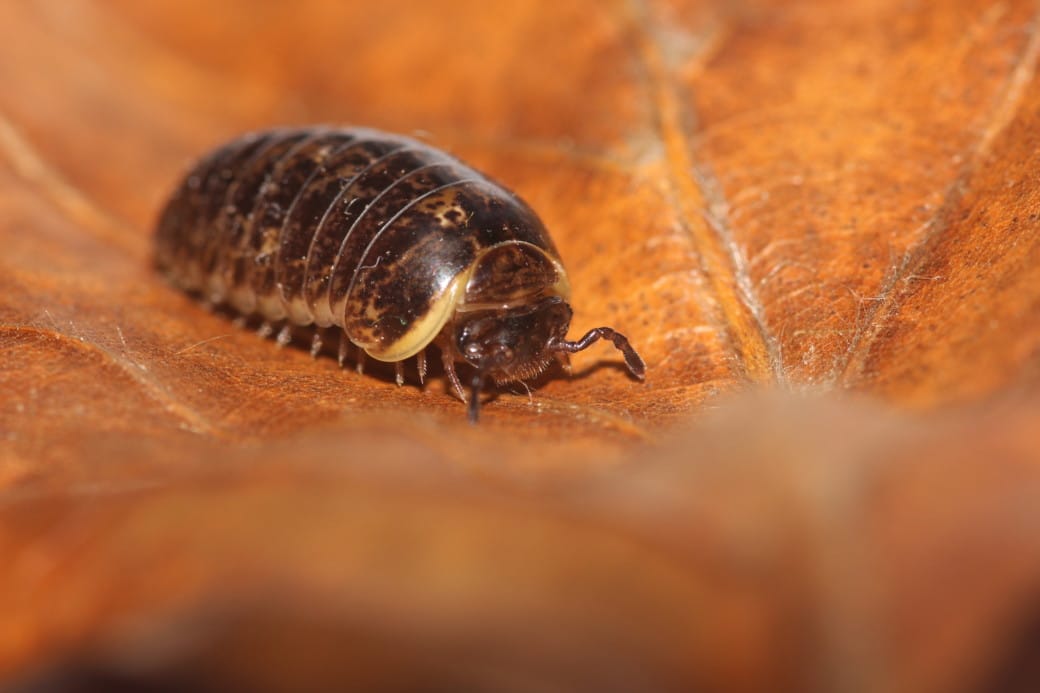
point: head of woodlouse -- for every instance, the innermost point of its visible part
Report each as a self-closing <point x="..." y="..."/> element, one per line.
<point x="514" y="317"/>
<point x="515" y="343"/>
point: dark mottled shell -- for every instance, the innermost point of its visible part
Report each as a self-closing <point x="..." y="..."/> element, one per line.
<point x="376" y="233"/>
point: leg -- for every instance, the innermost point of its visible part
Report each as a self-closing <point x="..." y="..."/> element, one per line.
<point x="265" y="330"/>
<point x="316" y="342"/>
<point x="399" y="372"/>
<point x="420" y="362"/>
<point x="344" y="344"/>
<point x="284" y="335"/>
<point x="474" y="397"/>
<point x="453" y="377"/>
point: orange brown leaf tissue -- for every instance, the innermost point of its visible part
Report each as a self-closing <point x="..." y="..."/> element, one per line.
<point x="818" y="222"/>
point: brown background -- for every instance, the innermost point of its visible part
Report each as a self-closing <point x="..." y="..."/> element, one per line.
<point x="818" y="222"/>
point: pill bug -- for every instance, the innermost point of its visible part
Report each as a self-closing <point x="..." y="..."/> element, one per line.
<point x="395" y="242"/>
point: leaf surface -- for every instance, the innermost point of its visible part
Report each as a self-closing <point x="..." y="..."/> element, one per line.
<point x="768" y="198"/>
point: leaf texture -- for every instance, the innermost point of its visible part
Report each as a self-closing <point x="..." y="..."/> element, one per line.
<point x="818" y="223"/>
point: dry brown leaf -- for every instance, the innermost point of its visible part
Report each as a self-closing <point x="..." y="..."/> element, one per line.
<point x="765" y="196"/>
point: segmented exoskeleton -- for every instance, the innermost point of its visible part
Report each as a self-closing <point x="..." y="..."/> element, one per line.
<point x="394" y="241"/>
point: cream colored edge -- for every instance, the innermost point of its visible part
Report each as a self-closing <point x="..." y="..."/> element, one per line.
<point x="426" y="329"/>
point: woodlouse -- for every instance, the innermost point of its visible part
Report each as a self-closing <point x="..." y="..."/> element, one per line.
<point x="398" y="243"/>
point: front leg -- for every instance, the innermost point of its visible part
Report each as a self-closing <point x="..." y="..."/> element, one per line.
<point x="453" y="377"/>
